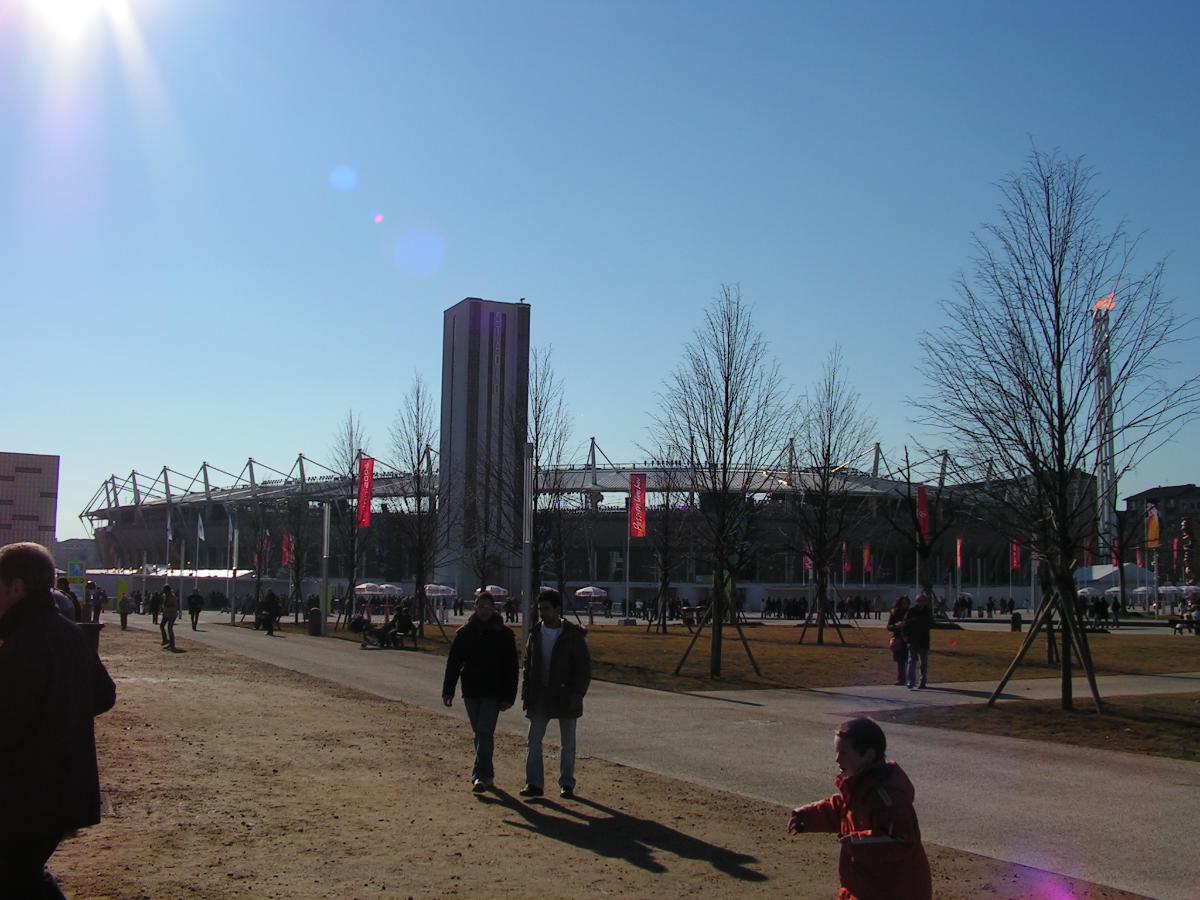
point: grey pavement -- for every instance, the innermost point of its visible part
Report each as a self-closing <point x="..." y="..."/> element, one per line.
<point x="1112" y="818"/>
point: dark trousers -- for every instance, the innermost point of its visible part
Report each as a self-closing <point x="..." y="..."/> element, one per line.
<point x="124" y="620"/>
<point x="23" y="872"/>
<point x="167" y="627"/>
<point x="483" y="712"/>
<point x="195" y="614"/>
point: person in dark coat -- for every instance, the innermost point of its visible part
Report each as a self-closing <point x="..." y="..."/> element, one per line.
<point x="195" y="604"/>
<point x="918" y="622"/>
<point x="170" y="611"/>
<point x="895" y="625"/>
<point x="271" y="612"/>
<point x="484" y="654"/>
<point x="54" y="686"/>
<point x="558" y="670"/>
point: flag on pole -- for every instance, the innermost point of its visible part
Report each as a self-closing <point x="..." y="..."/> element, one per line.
<point x="287" y="550"/>
<point x="1014" y="554"/>
<point x="923" y="512"/>
<point x="958" y="553"/>
<point x="200" y="528"/>
<point x="1141" y="558"/>
<point x="845" y="558"/>
<point x="866" y="558"/>
<point x="366" y="489"/>
<point x="806" y="558"/>
<point x="1152" y="537"/>
<point x="1175" y="552"/>
<point x="1116" y="552"/>
<point x="170" y="537"/>
<point x="637" y="504"/>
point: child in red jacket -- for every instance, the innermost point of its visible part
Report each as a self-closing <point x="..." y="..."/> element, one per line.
<point x="872" y="812"/>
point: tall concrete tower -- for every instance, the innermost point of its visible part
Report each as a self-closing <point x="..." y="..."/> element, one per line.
<point x="485" y="403"/>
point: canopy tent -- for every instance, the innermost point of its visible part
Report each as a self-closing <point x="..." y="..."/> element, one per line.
<point x="439" y="590"/>
<point x="589" y="593"/>
<point x="494" y="589"/>
<point x="1091" y="591"/>
<point x="369" y="589"/>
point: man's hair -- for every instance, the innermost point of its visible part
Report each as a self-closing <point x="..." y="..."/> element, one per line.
<point x="30" y="562"/>
<point x="864" y="735"/>
<point x="485" y="595"/>
<point x="554" y="598"/>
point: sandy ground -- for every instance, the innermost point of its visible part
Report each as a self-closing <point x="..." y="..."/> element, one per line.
<point x="227" y="777"/>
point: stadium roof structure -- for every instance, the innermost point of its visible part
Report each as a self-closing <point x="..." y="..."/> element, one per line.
<point x="210" y="485"/>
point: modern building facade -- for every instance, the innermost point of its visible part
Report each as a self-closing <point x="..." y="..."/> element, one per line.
<point x="485" y="401"/>
<point x="28" y="498"/>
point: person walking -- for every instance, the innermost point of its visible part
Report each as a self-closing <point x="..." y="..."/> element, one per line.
<point x="123" y="604"/>
<point x="195" y="604"/>
<point x="170" y="610"/>
<point x="558" y="670"/>
<point x="54" y="687"/>
<point x="484" y="654"/>
<point x="918" y="622"/>
<point x="895" y="625"/>
<point x="271" y="612"/>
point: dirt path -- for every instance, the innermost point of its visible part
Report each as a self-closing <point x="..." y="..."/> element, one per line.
<point x="230" y="778"/>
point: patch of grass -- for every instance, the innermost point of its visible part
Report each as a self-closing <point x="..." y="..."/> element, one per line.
<point x="1155" y="724"/>
<point x="628" y="655"/>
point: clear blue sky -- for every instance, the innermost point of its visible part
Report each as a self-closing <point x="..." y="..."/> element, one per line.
<point x="181" y="280"/>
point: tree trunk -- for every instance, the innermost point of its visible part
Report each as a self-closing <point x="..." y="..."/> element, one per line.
<point x="718" y="615"/>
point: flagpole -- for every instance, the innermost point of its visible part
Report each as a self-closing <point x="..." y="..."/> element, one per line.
<point x="233" y="569"/>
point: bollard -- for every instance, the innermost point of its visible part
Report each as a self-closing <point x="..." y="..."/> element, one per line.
<point x="1016" y="621"/>
<point x="314" y="622"/>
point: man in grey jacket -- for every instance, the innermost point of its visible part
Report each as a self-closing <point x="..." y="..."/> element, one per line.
<point x="558" y="670"/>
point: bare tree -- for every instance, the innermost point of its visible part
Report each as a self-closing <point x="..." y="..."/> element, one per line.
<point x="413" y="437"/>
<point x="549" y="423"/>
<point x="668" y="532"/>
<point x="1052" y="361"/>
<point x="726" y="411"/>
<point x="348" y="447"/>
<point x="833" y="436"/>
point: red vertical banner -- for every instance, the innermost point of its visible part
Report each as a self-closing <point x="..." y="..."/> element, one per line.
<point x="366" y="490"/>
<point x="866" y="558"/>
<point x="923" y="512"/>
<point x="1141" y="558"/>
<point x="958" y="553"/>
<point x="1014" y="554"/>
<point x="1116" y="552"/>
<point x="807" y="559"/>
<point x="1087" y="551"/>
<point x="1175" y="552"/>
<point x="845" y="558"/>
<point x="637" y="504"/>
<point x="287" y="550"/>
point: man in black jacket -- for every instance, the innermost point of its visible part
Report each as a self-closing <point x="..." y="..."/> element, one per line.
<point x="54" y="685"/>
<point x="558" y="671"/>
<point x="484" y="653"/>
<point x="917" y="625"/>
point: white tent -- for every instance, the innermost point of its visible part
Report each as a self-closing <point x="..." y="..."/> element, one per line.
<point x="494" y="589"/>
<point x="439" y="590"/>
<point x="589" y="593"/>
<point x="369" y="589"/>
<point x="1090" y="591"/>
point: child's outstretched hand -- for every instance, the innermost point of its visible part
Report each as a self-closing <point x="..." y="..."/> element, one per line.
<point x="795" y="822"/>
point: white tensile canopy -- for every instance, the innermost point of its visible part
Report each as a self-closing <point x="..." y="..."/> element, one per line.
<point x="439" y="590"/>
<point x="494" y="589"/>
<point x="589" y="592"/>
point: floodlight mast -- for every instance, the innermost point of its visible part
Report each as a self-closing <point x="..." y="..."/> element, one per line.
<point x="1106" y="477"/>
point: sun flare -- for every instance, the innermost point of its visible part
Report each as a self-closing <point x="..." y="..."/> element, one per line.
<point x="69" y="20"/>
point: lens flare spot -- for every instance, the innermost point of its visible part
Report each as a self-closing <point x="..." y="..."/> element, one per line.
<point x="377" y="218"/>
<point x="419" y="253"/>
<point x="343" y="178"/>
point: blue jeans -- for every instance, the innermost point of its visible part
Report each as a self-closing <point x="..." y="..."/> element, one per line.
<point x="535" y="775"/>
<point x="483" y="712"/>
<point x="913" y="656"/>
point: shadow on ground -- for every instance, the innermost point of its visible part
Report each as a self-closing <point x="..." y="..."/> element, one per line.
<point x="611" y="833"/>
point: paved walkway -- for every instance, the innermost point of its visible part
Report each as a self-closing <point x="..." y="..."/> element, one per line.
<point x="1111" y="818"/>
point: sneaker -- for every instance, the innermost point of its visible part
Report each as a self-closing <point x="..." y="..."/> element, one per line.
<point x="478" y="786"/>
<point x="921" y="686"/>
<point x="530" y="791"/>
<point x="566" y="792"/>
